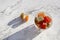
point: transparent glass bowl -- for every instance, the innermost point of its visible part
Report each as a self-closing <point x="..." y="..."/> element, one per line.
<point x="46" y="13"/>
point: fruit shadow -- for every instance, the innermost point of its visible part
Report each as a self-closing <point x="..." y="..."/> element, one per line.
<point x="16" y="22"/>
<point x="27" y="33"/>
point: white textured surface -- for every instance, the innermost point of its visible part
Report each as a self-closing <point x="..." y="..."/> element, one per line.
<point x="11" y="9"/>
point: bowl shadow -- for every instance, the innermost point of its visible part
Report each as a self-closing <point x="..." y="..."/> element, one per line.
<point x="27" y="33"/>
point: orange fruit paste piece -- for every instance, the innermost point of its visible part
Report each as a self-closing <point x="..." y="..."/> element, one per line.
<point x="26" y="18"/>
<point x="41" y="14"/>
